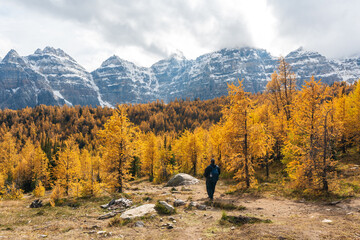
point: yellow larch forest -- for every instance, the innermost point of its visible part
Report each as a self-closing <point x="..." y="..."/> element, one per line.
<point x="297" y="134"/>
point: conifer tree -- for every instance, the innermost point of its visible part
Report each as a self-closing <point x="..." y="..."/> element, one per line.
<point x="118" y="141"/>
<point x="8" y="157"/>
<point x="67" y="170"/>
<point x="236" y="134"/>
<point x="306" y="153"/>
<point x="150" y="155"/>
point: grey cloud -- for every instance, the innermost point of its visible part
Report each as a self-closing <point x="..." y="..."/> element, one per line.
<point x="139" y="23"/>
<point x="328" y="26"/>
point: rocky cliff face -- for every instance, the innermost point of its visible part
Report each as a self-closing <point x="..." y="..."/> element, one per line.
<point x="52" y="77"/>
<point x="68" y="80"/>
<point x="120" y="81"/>
<point x="20" y="86"/>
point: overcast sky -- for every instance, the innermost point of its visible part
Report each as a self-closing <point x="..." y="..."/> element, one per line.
<point x="145" y="31"/>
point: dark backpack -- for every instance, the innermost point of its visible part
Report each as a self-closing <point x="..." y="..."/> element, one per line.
<point x="214" y="174"/>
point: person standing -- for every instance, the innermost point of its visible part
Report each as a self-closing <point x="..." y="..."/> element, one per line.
<point x="211" y="174"/>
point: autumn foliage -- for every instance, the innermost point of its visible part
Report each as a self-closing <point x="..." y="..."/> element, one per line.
<point x="84" y="151"/>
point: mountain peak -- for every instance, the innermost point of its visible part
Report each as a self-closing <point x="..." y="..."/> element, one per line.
<point x="52" y="51"/>
<point x="301" y="52"/>
<point x="13" y="57"/>
<point x="177" y="55"/>
<point x="113" y="61"/>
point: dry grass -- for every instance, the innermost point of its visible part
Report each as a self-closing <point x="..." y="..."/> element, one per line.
<point x="290" y="219"/>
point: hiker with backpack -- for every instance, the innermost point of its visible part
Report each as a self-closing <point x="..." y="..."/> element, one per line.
<point x="211" y="174"/>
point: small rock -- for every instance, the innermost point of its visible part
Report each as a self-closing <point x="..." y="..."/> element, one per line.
<point x="43" y="236"/>
<point x="95" y="227"/>
<point x="161" y="219"/>
<point x="201" y="207"/>
<point x="232" y="228"/>
<point x="174" y="221"/>
<point x="153" y="216"/>
<point x="193" y="204"/>
<point x="349" y="213"/>
<point x="326" y="221"/>
<point x="170" y="226"/>
<point x="170" y="208"/>
<point x="171" y="218"/>
<point x="101" y="232"/>
<point x="107" y="216"/>
<point x="118" y="203"/>
<point x="179" y="202"/>
<point x="36" y="203"/>
<point x="139" y="224"/>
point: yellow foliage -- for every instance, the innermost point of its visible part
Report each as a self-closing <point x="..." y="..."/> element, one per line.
<point x="150" y="156"/>
<point x="67" y="170"/>
<point x="39" y="190"/>
<point x="118" y="148"/>
<point x="56" y="195"/>
<point x="11" y="192"/>
<point x="90" y="189"/>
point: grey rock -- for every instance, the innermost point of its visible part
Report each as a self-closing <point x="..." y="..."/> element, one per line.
<point x="36" y="204"/>
<point x="179" y="202"/>
<point x="121" y="203"/>
<point x="170" y="208"/>
<point x="138" y="211"/>
<point x="201" y="207"/>
<point x="181" y="179"/>
<point x="139" y="224"/>
<point x="107" y="216"/>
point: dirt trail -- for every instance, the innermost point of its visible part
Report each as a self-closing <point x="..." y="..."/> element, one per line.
<point x="289" y="219"/>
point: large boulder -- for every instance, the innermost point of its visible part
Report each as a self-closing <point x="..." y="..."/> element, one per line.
<point x="138" y="211"/>
<point x="181" y="179"/>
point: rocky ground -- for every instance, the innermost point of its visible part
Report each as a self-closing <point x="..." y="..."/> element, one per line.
<point x="282" y="218"/>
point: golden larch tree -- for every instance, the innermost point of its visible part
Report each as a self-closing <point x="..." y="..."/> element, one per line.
<point x="118" y="142"/>
<point x="68" y="168"/>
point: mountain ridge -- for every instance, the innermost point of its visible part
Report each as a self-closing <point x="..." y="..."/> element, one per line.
<point x="120" y="81"/>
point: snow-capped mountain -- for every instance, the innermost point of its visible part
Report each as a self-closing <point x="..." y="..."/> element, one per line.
<point x="68" y="80"/>
<point x="120" y="81"/>
<point x="52" y="77"/>
<point x="21" y="86"/>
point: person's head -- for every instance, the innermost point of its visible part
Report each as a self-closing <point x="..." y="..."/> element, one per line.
<point x="212" y="161"/>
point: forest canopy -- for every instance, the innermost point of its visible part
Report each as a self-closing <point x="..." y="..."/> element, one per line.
<point x="82" y="151"/>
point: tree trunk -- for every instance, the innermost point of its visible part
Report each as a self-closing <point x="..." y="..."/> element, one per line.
<point x="324" y="179"/>
<point x="247" y="177"/>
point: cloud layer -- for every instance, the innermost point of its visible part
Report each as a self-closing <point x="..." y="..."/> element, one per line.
<point x="147" y="30"/>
